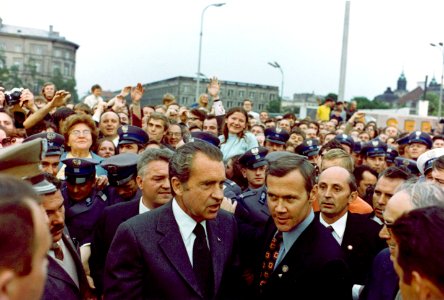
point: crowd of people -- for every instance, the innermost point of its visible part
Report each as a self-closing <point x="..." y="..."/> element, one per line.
<point x="110" y="199"/>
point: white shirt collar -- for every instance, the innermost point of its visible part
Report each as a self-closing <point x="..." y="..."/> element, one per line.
<point x="185" y="222"/>
<point x="338" y="227"/>
<point x="142" y="207"/>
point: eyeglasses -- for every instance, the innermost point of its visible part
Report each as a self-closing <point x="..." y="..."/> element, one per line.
<point x="8" y="141"/>
<point x="192" y="118"/>
<point x="81" y="132"/>
<point x="177" y="134"/>
<point x="388" y="225"/>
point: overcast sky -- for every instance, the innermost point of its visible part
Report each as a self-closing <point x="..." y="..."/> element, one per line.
<point x="125" y="42"/>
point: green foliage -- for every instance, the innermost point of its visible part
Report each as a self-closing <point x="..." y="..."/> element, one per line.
<point x="365" y="103"/>
<point x="332" y="96"/>
<point x="274" y="106"/>
<point x="65" y="84"/>
<point x="433" y="104"/>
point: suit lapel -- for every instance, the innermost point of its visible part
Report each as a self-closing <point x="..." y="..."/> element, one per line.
<point x="83" y="281"/>
<point x="56" y="270"/>
<point x="216" y="239"/>
<point x="172" y="245"/>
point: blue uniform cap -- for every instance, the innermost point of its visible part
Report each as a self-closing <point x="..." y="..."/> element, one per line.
<point x="55" y="142"/>
<point x="276" y="135"/>
<point x="129" y="134"/>
<point x="403" y="140"/>
<point x="421" y="138"/>
<point x="345" y="140"/>
<point x="254" y="158"/>
<point x="409" y="163"/>
<point x="309" y="147"/>
<point x="79" y="170"/>
<point x="121" y="168"/>
<point x="374" y="148"/>
<point x="391" y="154"/>
<point x="357" y="147"/>
<point x="206" y="136"/>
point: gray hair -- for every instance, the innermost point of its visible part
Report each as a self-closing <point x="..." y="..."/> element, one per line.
<point x="423" y="193"/>
<point x="152" y="154"/>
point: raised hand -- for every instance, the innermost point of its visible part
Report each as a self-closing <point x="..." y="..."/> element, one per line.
<point x="60" y="98"/>
<point x="214" y="88"/>
<point x="137" y="93"/>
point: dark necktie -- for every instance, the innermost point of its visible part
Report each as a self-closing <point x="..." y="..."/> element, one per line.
<point x="58" y="252"/>
<point x="270" y="258"/>
<point x="202" y="265"/>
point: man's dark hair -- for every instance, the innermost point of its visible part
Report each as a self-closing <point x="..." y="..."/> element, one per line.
<point x="438" y="164"/>
<point x="16" y="225"/>
<point x="94" y="87"/>
<point x="182" y="162"/>
<point x="359" y="172"/>
<point x="199" y="113"/>
<point x="395" y="172"/>
<point x="332" y="144"/>
<point x="420" y="238"/>
<point x="291" y="162"/>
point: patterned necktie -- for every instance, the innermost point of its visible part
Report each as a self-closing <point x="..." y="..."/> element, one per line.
<point x="58" y="252"/>
<point x="270" y="258"/>
<point x="202" y="265"/>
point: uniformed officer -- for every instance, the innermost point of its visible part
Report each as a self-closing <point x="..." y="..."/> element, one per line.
<point x="409" y="164"/>
<point x="275" y="139"/>
<point x="390" y="156"/>
<point x="83" y="202"/>
<point x="51" y="159"/>
<point x="132" y="139"/>
<point x="425" y="162"/>
<point x="205" y="136"/>
<point x="310" y="149"/>
<point x="254" y="198"/>
<point x="418" y="143"/>
<point x="374" y="155"/>
<point x="346" y="141"/>
<point x="122" y="173"/>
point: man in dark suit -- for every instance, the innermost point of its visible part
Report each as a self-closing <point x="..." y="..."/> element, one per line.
<point x="164" y="253"/>
<point x="66" y="276"/>
<point x="356" y="233"/>
<point x="152" y="179"/>
<point x="308" y="261"/>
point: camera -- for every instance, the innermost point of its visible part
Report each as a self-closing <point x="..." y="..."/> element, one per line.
<point x="12" y="97"/>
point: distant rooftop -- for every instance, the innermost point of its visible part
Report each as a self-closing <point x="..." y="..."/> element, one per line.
<point x="39" y="33"/>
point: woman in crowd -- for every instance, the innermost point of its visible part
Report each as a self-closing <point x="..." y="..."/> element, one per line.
<point x="81" y="135"/>
<point x="236" y="139"/>
<point x="105" y="148"/>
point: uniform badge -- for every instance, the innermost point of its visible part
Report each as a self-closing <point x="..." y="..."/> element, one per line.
<point x="375" y="143"/>
<point x="125" y="128"/>
<point x="112" y="168"/>
<point x="255" y="151"/>
<point x="262" y="198"/>
<point x="418" y="134"/>
<point x="278" y="130"/>
<point x="405" y="163"/>
<point x="50" y="136"/>
<point x="309" y="143"/>
<point x="88" y="202"/>
<point x="76" y="162"/>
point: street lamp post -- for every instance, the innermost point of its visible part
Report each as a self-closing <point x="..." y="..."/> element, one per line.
<point x="440" y="45"/>
<point x="200" y="45"/>
<point x="277" y="66"/>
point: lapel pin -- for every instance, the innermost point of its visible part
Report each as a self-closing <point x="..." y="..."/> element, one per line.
<point x="218" y="239"/>
<point x="280" y="275"/>
<point x="350" y="247"/>
<point x="285" y="268"/>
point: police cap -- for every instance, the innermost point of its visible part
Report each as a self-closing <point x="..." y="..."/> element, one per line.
<point x="206" y="136"/>
<point x="121" y="168"/>
<point x="129" y="134"/>
<point x="421" y="138"/>
<point x="55" y="142"/>
<point x="309" y="147"/>
<point x="254" y="158"/>
<point x="79" y="170"/>
<point x="374" y="148"/>
<point x="276" y="135"/>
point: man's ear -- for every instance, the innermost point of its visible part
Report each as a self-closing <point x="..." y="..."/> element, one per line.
<point x="6" y="280"/>
<point x="177" y="186"/>
<point x="352" y="197"/>
<point x="313" y="194"/>
<point x="139" y="182"/>
<point x="244" y="172"/>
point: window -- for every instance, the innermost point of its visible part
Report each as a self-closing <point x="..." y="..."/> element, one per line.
<point x="17" y="62"/>
<point x="230" y="93"/>
<point x="185" y="100"/>
<point x="2" y="46"/>
<point x="251" y="95"/>
<point x="241" y="94"/>
<point x="58" y="53"/>
<point x="67" y="55"/>
<point x="38" y="66"/>
<point x="67" y="69"/>
<point x="56" y="67"/>
<point x="37" y="49"/>
<point x="18" y="48"/>
<point x="271" y="97"/>
<point x="262" y="96"/>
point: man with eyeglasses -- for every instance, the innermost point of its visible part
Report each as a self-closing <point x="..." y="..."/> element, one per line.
<point x="196" y="118"/>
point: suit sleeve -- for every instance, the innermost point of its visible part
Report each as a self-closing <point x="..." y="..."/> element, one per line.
<point x="98" y="253"/>
<point x="123" y="278"/>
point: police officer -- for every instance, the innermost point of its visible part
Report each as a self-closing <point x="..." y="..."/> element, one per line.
<point x="374" y="155"/>
<point x="346" y="141"/>
<point x="418" y="143"/>
<point x="83" y="202"/>
<point x="275" y="139"/>
<point x="132" y="139"/>
<point x="254" y="198"/>
<point x="425" y="162"/>
<point x="410" y="164"/>
<point x="122" y="173"/>
<point x="310" y="148"/>
<point x="391" y="155"/>
<point x="51" y="159"/>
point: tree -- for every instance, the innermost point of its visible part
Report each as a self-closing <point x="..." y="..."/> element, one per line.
<point x="365" y="103"/>
<point x="274" y="106"/>
<point x="433" y="103"/>
<point x="65" y="84"/>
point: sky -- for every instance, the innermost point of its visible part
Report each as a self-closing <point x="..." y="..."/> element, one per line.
<point x="126" y="42"/>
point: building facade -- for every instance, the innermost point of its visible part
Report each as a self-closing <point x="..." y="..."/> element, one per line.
<point x="231" y="93"/>
<point x="36" y="55"/>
